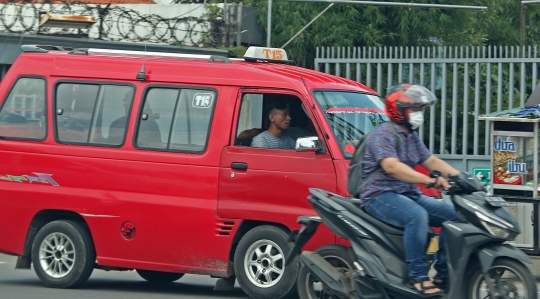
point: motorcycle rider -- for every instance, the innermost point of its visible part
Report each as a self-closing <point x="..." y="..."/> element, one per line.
<point x="392" y="195"/>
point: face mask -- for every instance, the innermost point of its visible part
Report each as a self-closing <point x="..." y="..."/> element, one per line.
<point x="416" y="119"/>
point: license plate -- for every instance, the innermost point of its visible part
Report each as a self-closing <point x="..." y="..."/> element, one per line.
<point x="433" y="245"/>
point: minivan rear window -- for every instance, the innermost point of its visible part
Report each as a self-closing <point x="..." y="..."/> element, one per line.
<point x="94" y="114"/>
<point x="175" y="119"/>
<point x="23" y="115"/>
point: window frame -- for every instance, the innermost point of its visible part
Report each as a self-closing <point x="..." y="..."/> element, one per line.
<point x="333" y="135"/>
<point x="45" y="108"/>
<point x="90" y="82"/>
<point x="180" y="88"/>
<point x="240" y="99"/>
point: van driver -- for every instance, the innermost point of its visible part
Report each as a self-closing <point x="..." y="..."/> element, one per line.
<point x="276" y="136"/>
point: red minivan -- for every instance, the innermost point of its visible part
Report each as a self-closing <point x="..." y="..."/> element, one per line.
<point x="122" y="160"/>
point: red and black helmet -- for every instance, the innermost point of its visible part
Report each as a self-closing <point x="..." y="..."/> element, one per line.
<point x="405" y="95"/>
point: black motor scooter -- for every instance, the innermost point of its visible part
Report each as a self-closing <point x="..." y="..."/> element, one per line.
<point x="481" y="263"/>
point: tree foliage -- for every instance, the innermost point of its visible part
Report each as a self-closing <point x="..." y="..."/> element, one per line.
<point x="354" y="25"/>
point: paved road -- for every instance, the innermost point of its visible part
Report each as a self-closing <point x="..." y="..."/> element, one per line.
<point x="24" y="284"/>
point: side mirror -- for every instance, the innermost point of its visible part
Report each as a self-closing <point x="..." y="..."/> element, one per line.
<point x="309" y="144"/>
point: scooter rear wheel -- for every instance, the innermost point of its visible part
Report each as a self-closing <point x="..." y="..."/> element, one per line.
<point x="308" y="286"/>
<point x="511" y="279"/>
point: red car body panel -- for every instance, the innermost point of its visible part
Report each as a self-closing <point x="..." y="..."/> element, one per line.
<point x="187" y="208"/>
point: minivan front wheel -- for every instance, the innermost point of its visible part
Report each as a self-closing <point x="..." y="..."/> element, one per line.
<point x="259" y="264"/>
<point x="63" y="254"/>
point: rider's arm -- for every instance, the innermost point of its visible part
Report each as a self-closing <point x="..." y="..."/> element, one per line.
<point x="403" y="172"/>
<point x="434" y="163"/>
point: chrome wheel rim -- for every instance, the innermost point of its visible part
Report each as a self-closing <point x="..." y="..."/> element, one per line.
<point x="314" y="288"/>
<point x="57" y="255"/>
<point x="264" y="263"/>
<point x="508" y="283"/>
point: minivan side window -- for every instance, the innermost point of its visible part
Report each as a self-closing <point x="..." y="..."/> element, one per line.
<point x="175" y="119"/>
<point x="254" y="120"/>
<point x="92" y="114"/>
<point x="23" y="115"/>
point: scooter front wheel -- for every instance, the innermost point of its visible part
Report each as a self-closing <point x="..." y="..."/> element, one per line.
<point x="510" y="278"/>
<point x="308" y="286"/>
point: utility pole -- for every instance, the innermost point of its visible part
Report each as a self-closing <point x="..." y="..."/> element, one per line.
<point x="522" y="26"/>
<point x="269" y="21"/>
<point x="239" y="24"/>
<point x="522" y="31"/>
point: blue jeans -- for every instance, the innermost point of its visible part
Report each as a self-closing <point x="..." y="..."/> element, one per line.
<point x="413" y="212"/>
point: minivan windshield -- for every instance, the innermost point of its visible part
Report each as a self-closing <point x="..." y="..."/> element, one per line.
<point x="351" y="115"/>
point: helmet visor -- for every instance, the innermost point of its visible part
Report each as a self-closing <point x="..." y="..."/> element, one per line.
<point x="416" y="96"/>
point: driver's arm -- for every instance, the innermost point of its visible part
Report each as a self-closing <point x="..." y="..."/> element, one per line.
<point x="434" y="163"/>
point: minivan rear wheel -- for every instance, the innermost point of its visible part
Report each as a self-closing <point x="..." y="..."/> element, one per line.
<point x="63" y="254"/>
<point x="259" y="264"/>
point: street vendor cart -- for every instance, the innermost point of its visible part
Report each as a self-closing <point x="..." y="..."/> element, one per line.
<point x="514" y="169"/>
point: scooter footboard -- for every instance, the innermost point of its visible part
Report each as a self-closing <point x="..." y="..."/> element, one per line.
<point x="330" y="276"/>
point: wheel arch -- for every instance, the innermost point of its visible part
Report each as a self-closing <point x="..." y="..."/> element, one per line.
<point x="248" y="225"/>
<point x="42" y="218"/>
<point x="488" y="254"/>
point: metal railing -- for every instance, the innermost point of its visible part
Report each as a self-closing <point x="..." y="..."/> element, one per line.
<point x="469" y="81"/>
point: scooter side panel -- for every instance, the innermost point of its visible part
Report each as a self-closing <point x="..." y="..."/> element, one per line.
<point x="460" y="241"/>
<point x="395" y="268"/>
<point x="375" y="233"/>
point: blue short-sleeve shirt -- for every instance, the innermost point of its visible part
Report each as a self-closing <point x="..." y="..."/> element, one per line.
<point x="381" y="144"/>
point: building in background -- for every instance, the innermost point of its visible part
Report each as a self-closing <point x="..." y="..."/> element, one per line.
<point x="192" y="27"/>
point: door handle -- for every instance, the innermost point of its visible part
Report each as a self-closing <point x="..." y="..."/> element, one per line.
<point x="239" y="165"/>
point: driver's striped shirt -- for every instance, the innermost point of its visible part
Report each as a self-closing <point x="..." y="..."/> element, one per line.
<point x="267" y="140"/>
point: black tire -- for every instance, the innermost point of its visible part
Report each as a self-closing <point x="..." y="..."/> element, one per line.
<point x="514" y="267"/>
<point x="159" y="277"/>
<point x="337" y="255"/>
<point x="270" y="284"/>
<point x="67" y="247"/>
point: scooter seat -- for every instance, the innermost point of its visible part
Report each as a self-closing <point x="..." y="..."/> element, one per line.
<point x="353" y="205"/>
